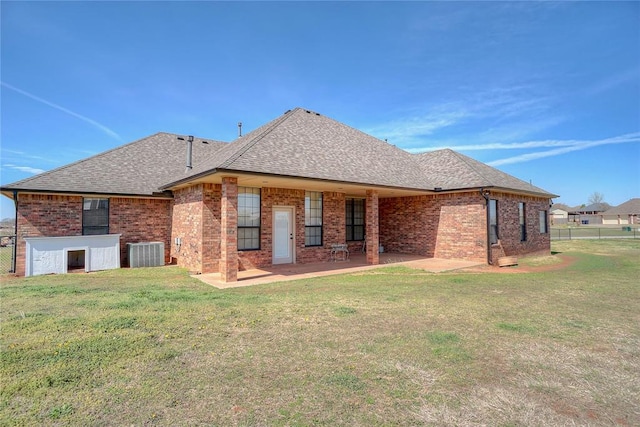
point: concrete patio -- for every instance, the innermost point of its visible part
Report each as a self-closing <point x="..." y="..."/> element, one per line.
<point x="356" y="262"/>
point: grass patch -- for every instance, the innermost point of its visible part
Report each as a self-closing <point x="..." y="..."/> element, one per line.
<point x="517" y="327"/>
<point x="345" y="311"/>
<point x="58" y="412"/>
<point x="381" y="347"/>
<point x="346" y="381"/>
<point x="539" y="261"/>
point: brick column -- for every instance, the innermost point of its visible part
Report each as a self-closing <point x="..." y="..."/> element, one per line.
<point x="229" y="230"/>
<point x="372" y="230"/>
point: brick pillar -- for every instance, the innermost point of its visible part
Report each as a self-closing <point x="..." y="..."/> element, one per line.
<point x="229" y="230"/>
<point x="373" y="233"/>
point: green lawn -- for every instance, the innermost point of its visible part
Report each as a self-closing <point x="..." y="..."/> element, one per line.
<point x="391" y="346"/>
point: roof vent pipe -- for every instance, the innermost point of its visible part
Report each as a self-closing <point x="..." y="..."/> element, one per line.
<point x="189" y="153"/>
<point x="239" y="129"/>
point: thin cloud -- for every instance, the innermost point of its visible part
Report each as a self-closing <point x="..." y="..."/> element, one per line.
<point x="27" y="169"/>
<point x="566" y="147"/>
<point x="500" y="105"/>
<point x="8" y="154"/>
<point x="416" y="127"/>
<point x="92" y="122"/>
<point x="548" y="143"/>
<point x="613" y="81"/>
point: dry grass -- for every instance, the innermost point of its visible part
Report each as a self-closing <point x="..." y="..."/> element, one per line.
<point x="389" y="347"/>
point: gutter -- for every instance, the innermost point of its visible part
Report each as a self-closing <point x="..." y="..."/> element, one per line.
<point x="485" y="193"/>
<point x="15" y="232"/>
<point x="167" y="194"/>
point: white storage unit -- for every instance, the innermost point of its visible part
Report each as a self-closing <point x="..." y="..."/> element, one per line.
<point x="57" y="255"/>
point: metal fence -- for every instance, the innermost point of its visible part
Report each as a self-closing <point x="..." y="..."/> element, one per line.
<point x="7" y="254"/>
<point x="624" y="232"/>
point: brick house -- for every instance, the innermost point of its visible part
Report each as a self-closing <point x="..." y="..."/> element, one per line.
<point x="284" y="193"/>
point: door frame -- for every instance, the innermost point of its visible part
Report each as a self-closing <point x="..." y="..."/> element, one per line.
<point x="292" y="242"/>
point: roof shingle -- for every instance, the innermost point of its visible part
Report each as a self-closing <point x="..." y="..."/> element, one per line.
<point x="305" y="144"/>
<point x="299" y="143"/>
<point x="138" y="168"/>
<point x="630" y="207"/>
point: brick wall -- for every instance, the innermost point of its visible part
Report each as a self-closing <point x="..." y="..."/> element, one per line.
<point x="509" y="242"/>
<point x="372" y="215"/>
<point x="211" y="228"/>
<point x="461" y="222"/>
<point x="228" y="264"/>
<point x="196" y="221"/>
<point x="454" y="226"/>
<point x="442" y="226"/>
<point x="138" y="220"/>
<point x="270" y="197"/>
<point x="333" y="227"/>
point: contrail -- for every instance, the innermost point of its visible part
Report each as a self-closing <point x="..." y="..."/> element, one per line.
<point x="548" y="143"/>
<point x="64" y="110"/>
<point x="567" y="148"/>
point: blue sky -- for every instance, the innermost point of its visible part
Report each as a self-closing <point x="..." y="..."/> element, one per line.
<point x="548" y="92"/>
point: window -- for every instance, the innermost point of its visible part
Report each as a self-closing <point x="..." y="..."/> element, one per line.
<point x="355" y="219"/>
<point x="493" y="221"/>
<point x="313" y="218"/>
<point x="523" y="221"/>
<point x="248" y="218"/>
<point x="544" y="224"/>
<point x="95" y="216"/>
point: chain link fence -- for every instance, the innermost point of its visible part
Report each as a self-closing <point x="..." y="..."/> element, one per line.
<point x="7" y="254"/>
<point x="624" y="232"/>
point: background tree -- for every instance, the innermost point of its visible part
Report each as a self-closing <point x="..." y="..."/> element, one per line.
<point x="598" y="199"/>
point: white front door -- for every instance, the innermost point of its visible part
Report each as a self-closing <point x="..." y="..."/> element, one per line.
<point x="282" y="235"/>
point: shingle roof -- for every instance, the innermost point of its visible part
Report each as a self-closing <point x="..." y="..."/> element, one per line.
<point x="137" y="168"/>
<point x="305" y="144"/>
<point x="631" y="206"/>
<point x="594" y="207"/>
<point x="453" y="170"/>
<point x="299" y="143"/>
<point x="302" y="143"/>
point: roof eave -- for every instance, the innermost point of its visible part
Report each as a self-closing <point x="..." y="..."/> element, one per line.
<point x="542" y="194"/>
<point x="186" y="179"/>
<point x="9" y="192"/>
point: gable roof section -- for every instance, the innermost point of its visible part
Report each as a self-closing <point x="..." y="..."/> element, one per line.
<point x="138" y="168"/>
<point x="594" y="207"/>
<point x="305" y="144"/>
<point x="453" y="170"/>
<point x="630" y="207"/>
<point x="298" y="144"/>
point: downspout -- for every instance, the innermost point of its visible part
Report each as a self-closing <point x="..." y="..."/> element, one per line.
<point x="485" y="194"/>
<point x="15" y="232"/>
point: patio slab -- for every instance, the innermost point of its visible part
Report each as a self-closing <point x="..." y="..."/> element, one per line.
<point x="357" y="262"/>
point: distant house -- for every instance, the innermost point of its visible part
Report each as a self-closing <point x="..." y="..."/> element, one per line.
<point x="626" y="213"/>
<point x="589" y="215"/>
<point x="559" y="216"/>
<point x="283" y="193"/>
<point x="592" y="209"/>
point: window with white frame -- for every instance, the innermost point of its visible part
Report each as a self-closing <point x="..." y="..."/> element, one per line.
<point x="248" y="218"/>
<point x="313" y="218"/>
